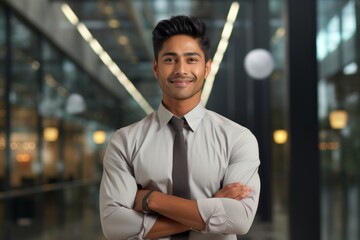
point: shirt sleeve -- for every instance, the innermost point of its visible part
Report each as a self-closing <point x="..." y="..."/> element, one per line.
<point x="117" y="193"/>
<point x="229" y="216"/>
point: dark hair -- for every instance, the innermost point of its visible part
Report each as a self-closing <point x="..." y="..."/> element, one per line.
<point x="175" y="25"/>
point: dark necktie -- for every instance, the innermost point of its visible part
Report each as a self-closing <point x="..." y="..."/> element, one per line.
<point x="180" y="168"/>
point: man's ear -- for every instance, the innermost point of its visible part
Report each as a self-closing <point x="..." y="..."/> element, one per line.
<point x="155" y="69"/>
<point x="207" y="68"/>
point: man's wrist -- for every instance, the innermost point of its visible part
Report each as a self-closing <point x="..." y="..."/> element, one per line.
<point x="145" y="203"/>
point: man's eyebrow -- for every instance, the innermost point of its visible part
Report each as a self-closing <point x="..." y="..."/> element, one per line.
<point x="169" y="54"/>
<point x="187" y="54"/>
<point x="192" y="54"/>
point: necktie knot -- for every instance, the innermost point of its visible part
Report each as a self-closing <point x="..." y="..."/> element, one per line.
<point x="178" y="123"/>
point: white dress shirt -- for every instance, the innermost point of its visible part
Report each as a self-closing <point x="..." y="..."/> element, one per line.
<point x="220" y="152"/>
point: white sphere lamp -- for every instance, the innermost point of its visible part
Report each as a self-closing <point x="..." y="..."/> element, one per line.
<point x="75" y="103"/>
<point x="259" y="63"/>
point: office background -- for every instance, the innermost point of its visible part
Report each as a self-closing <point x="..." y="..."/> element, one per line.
<point x="61" y="98"/>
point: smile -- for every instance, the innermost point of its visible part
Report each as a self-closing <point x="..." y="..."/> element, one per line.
<point x="181" y="82"/>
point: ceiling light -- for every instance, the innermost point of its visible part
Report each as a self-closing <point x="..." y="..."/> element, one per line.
<point x="70" y="15"/>
<point x="108" y="10"/>
<point x="96" y="47"/>
<point x="51" y="134"/>
<point x="114" y="68"/>
<point x="84" y="31"/>
<point x="259" y="63"/>
<point x="35" y="65"/>
<point x="75" y="104"/>
<point x="104" y="56"/>
<point x="227" y="30"/>
<point x="223" y="44"/>
<point x="99" y="136"/>
<point x="280" y="136"/>
<point x="338" y="119"/>
<point x="350" y="69"/>
<point x="50" y="81"/>
<point x="113" y="23"/>
<point x="280" y="32"/>
<point x="234" y="9"/>
<point x="23" y="158"/>
<point x="123" y="40"/>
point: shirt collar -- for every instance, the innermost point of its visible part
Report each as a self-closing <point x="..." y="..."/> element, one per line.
<point x="193" y="118"/>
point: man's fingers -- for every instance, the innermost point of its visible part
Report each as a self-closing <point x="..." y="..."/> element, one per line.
<point x="236" y="191"/>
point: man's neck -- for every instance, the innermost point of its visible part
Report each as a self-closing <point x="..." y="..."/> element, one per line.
<point x="180" y="108"/>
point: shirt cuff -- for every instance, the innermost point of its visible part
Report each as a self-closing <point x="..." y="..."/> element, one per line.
<point x="213" y="213"/>
<point x="148" y="222"/>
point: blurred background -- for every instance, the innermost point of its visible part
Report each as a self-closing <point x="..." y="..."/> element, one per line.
<point x="72" y="72"/>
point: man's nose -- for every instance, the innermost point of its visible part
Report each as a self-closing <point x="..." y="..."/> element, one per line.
<point x="181" y="67"/>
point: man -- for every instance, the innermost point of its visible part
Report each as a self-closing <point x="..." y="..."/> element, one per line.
<point x="136" y="193"/>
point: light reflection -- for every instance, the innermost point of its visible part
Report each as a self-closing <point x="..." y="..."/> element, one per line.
<point x="280" y="136"/>
<point x="35" y="65"/>
<point x="338" y="119"/>
<point x="348" y="25"/>
<point x="51" y="134"/>
<point x="123" y="40"/>
<point x="23" y="158"/>
<point x="114" y="23"/>
<point x="223" y="44"/>
<point x="99" y="137"/>
<point x="351" y="68"/>
<point x="324" y="146"/>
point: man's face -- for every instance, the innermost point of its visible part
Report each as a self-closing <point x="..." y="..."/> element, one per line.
<point x="181" y="69"/>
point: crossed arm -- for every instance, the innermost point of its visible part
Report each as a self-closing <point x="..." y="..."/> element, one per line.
<point x="121" y="209"/>
<point x="178" y="214"/>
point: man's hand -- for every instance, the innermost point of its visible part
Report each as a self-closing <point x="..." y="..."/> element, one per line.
<point x="236" y="191"/>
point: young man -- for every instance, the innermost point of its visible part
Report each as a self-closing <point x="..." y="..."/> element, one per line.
<point x="136" y="193"/>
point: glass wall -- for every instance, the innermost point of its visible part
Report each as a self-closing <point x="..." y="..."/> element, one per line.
<point x="58" y="120"/>
<point x="280" y="163"/>
<point x="23" y="100"/>
<point x="3" y="51"/>
<point x="339" y="118"/>
<point x="2" y="112"/>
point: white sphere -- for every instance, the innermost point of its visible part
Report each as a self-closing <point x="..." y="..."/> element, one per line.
<point x="75" y="104"/>
<point x="259" y="63"/>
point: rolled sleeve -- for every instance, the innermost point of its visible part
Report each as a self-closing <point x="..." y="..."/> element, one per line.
<point x="118" y="189"/>
<point x="230" y="216"/>
<point x="227" y="216"/>
<point x="213" y="213"/>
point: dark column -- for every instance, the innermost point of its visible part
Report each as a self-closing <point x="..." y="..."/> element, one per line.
<point x="261" y="109"/>
<point x="303" y="155"/>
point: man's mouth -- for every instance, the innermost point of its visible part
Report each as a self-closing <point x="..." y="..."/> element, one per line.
<point x="181" y="82"/>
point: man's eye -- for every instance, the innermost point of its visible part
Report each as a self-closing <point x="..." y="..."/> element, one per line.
<point x="169" y="60"/>
<point x="192" y="60"/>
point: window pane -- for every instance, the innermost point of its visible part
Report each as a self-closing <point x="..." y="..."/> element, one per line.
<point x="339" y="117"/>
<point x="23" y="99"/>
<point x="2" y="98"/>
<point x="51" y="109"/>
<point x="2" y="116"/>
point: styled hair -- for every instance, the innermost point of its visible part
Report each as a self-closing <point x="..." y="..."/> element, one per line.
<point x="175" y="25"/>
